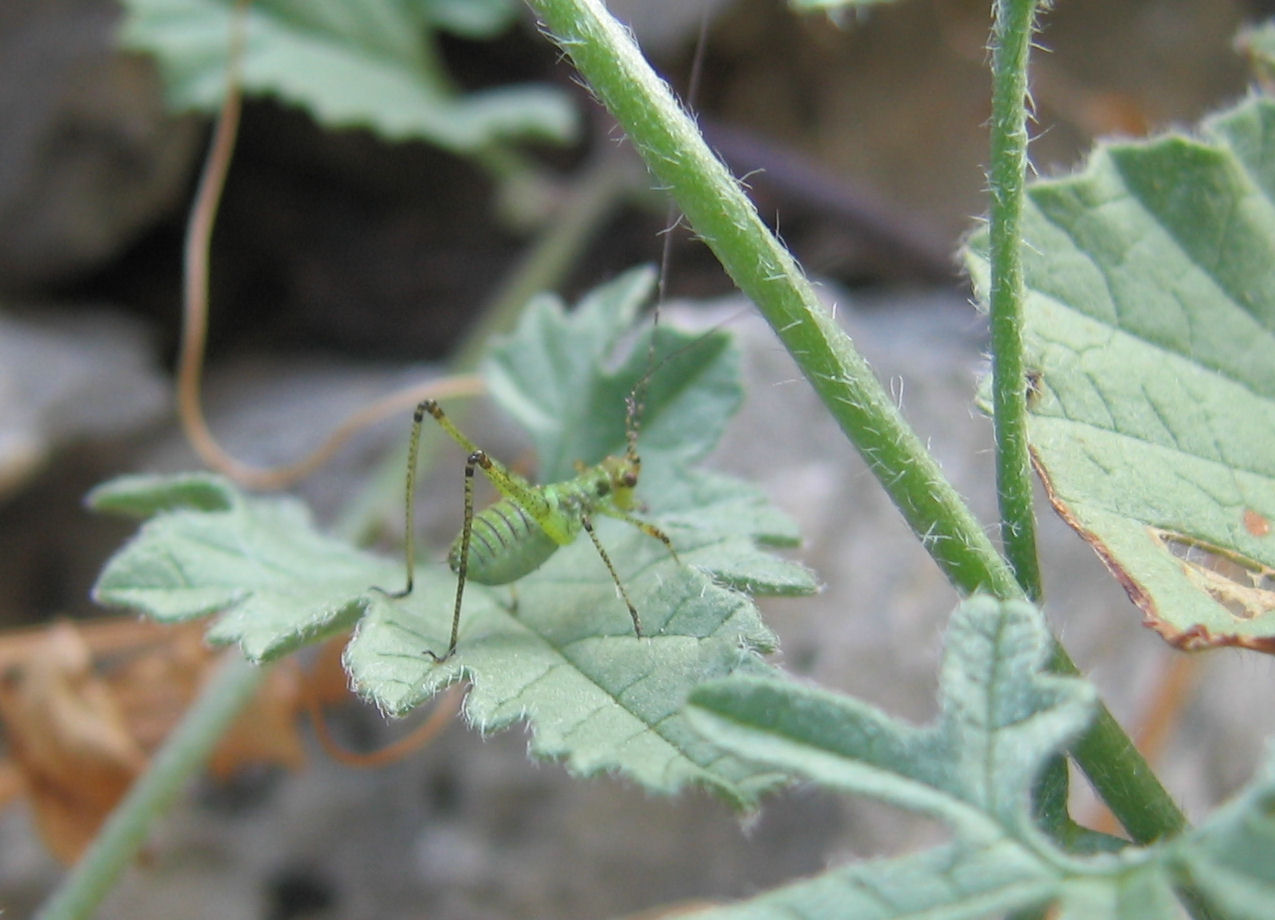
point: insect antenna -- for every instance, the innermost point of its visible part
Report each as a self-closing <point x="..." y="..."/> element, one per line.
<point x="635" y="402"/>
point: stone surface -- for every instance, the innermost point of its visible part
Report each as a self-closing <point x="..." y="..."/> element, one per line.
<point x="88" y="159"/>
<point x="66" y="376"/>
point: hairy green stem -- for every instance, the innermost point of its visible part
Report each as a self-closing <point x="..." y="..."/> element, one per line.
<point x="1110" y="761"/>
<point x="765" y="271"/>
<point x="1120" y="774"/>
<point x="725" y="219"/>
<point x="1011" y="44"/>
<point x="184" y="752"/>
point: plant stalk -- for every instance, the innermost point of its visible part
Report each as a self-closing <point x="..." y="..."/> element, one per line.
<point x="765" y="271"/>
<point x="1011" y="44"/>
<point x="1120" y="774"/>
<point x="1106" y="754"/>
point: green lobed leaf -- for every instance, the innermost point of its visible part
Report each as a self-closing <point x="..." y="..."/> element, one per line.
<point x="145" y="496"/>
<point x="1002" y="717"/>
<point x="1150" y="329"/>
<point x="557" y="647"/>
<point x="944" y="883"/>
<point x="552" y="376"/>
<point x="275" y="582"/>
<point x="350" y="63"/>
<point x="1230" y="860"/>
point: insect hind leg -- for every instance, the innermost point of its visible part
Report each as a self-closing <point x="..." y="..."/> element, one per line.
<point x="409" y="500"/>
<point x="477" y="458"/>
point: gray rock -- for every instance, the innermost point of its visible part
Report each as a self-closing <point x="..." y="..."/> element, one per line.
<point x="66" y="376"/>
<point x="88" y="158"/>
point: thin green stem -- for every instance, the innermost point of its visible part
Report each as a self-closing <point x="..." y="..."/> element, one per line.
<point x="1110" y="761"/>
<point x="1011" y="44"/>
<point x="765" y="271"/>
<point x="725" y="219"/>
<point x="184" y="752"/>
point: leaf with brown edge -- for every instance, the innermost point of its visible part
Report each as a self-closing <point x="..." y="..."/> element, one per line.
<point x="1150" y="319"/>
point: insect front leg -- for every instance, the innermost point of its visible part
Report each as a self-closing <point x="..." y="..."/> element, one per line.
<point x="645" y="526"/>
<point x="652" y="531"/>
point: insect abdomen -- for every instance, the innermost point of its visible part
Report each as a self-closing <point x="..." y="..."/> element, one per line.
<point x="505" y="544"/>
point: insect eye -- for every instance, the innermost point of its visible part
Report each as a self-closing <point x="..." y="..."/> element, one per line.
<point x="629" y="479"/>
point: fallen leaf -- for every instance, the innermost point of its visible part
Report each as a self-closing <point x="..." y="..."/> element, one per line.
<point x="85" y="705"/>
<point x="70" y="740"/>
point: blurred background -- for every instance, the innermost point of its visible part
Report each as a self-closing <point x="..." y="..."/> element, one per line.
<point x="344" y="265"/>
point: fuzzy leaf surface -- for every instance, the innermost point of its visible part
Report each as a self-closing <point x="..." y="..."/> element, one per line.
<point x="1150" y="322"/>
<point x="557" y="647"/>
<point x="554" y="378"/>
<point x="274" y="581"/>
<point x="1002" y="716"/>
<point x="350" y="63"/>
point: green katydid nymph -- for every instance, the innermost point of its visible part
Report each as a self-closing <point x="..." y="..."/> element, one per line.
<point x="519" y="532"/>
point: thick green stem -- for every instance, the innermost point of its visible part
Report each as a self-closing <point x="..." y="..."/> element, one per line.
<point x="765" y="271"/>
<point x="184" y="753"/>
<point x="1011" y="43"/>
<point x="725" y="219"/>
<point x="1119" y="773"/>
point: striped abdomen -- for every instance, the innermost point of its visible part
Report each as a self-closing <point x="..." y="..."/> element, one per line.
<point x="505" y="544"/>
